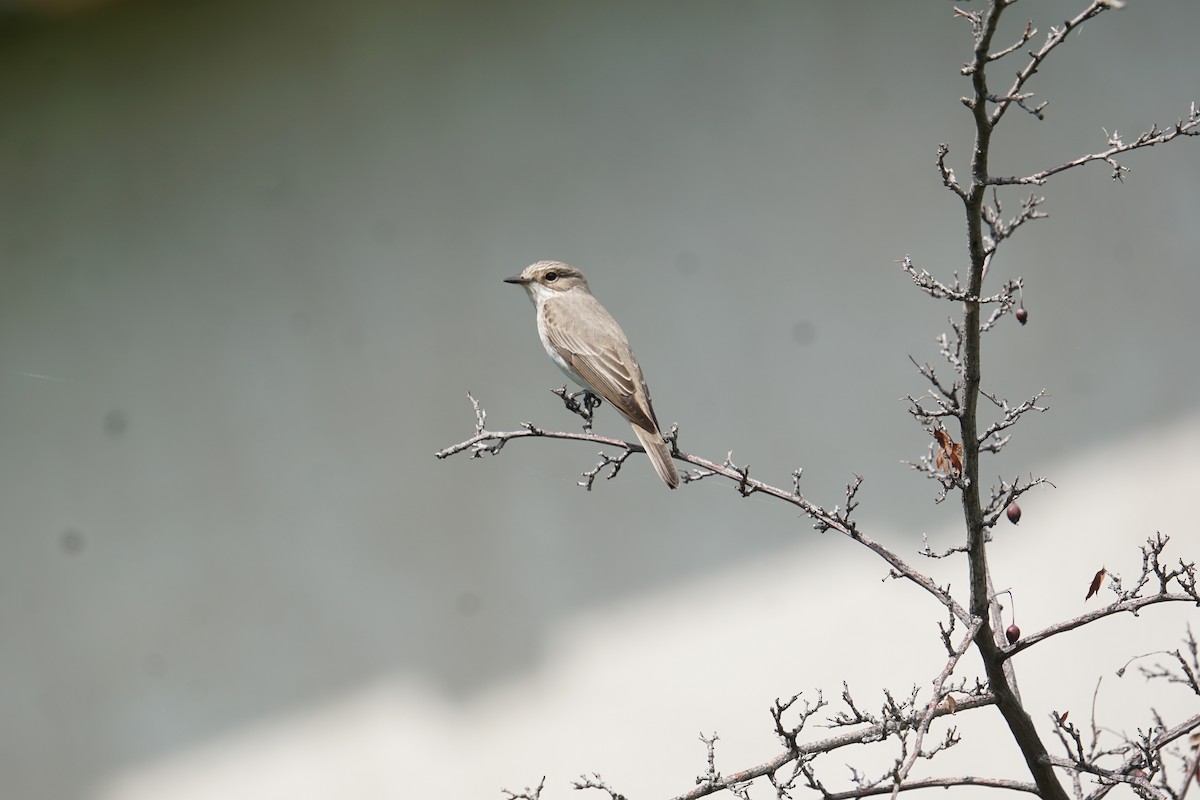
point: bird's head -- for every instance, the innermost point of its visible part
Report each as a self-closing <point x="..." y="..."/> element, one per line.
<point x="548" y="278"/>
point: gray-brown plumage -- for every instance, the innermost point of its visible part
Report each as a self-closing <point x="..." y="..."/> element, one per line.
<point x="586" y="343"/>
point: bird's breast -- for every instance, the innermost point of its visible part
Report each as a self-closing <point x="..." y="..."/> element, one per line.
<point x="555" y="356"/>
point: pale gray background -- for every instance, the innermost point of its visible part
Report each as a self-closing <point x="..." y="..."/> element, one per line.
<point x="252" y="255"/>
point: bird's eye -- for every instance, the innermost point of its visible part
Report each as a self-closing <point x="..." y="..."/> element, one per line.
<point x="551" y="277"/>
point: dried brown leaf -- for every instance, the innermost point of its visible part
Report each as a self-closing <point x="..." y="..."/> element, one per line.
<point x="1097" y="582"/>
<point x="949" y="454"/>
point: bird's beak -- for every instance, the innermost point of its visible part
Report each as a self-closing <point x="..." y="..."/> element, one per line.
<point x="517" y="279"/>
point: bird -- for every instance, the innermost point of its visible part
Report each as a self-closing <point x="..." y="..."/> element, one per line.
<point x="588" y="345"/>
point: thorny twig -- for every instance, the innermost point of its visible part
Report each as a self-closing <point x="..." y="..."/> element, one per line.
<point x="1176" y="585"/>
<point x="596" y="782"/>
<point x="527" y="793"/>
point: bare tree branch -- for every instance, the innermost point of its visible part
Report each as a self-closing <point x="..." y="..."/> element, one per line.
<point x="1108" y="759"/>
<point x="596" y="782"/>
<point x="1184" y="126"/>
<point x="869" y="733"/>
<point x="901" y="774"/>
<point x="837" y="519"/>
<point x="527" y="793"/>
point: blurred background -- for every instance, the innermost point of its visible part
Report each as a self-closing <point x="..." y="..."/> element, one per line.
<point x="251" y="257"/>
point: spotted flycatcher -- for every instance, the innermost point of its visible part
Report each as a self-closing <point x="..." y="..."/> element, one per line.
<point x="587" y="344"/>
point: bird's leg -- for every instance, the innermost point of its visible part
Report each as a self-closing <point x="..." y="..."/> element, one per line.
<point x="590" y="403"/>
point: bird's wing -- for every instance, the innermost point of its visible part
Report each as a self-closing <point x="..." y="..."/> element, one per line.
<point x="600" y="353"/>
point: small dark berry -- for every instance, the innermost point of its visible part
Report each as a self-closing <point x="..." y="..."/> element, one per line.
<point x="1012" y="633"/>
<point x="1013" y="513"/>
<point x="1022" y="315"/>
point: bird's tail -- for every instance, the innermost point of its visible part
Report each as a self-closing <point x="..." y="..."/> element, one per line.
<point x="660" y="455"/>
